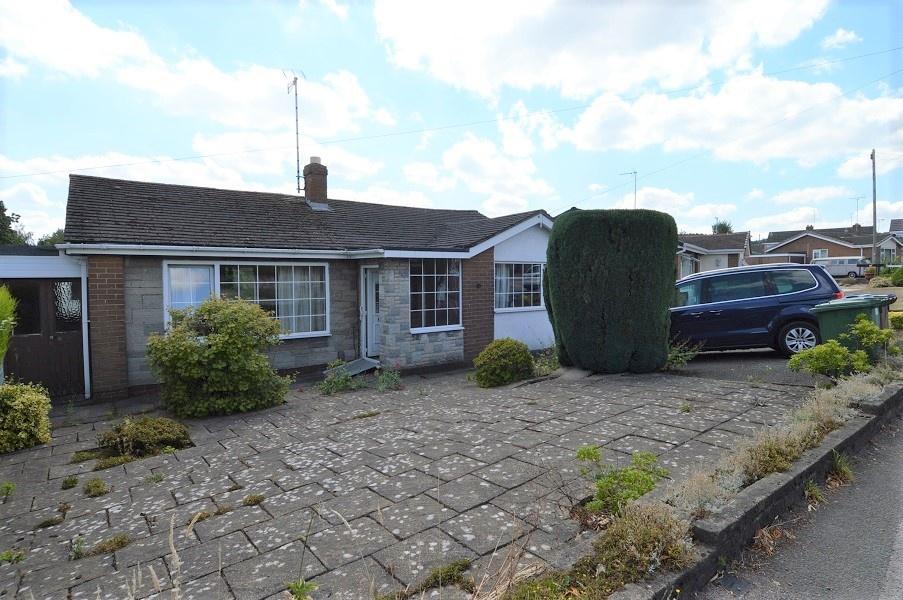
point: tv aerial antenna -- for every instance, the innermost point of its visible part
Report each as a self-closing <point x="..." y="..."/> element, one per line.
<point x="293" y="84"/>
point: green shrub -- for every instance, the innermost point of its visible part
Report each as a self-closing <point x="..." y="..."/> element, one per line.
<point x="560" y="352"/>
<point x="880" y="282"/>
<point x="211" y="361"/>
<point x="144" y="436"/>
<point x="865" y="335"/>
<point x="679" y="354"/>
<point x="503" y="361"/>
<point x="337" y="379"/>
<point x="896" y="277"/>
<point x="616" y="488"/>
<point x="832" y="359"/>
<point x="24" y="416"/>
<point x="6" y="490"/>
<point x="8" y="306"/>
<point x="545" y="362"/>
<point x="388" y="379"/>
<point x="896" y="320"/>
<point x="610" y="280"/>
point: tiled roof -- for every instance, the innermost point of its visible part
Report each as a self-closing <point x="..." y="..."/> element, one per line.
<point x="896" y="225"/>
<point x="846" y="234"/>
<point x="103" y="210"/>
<point x="716" y="241"/>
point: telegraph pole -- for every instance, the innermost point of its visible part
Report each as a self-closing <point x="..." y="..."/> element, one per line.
<point x="874" y="214"/>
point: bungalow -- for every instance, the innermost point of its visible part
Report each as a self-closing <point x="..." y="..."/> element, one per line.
<point x="705" y="252"/>
<point x="407" y="287"/>
<point x="814" y="243"/>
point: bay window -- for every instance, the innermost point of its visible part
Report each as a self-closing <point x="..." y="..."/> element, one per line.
<point x="435" y="287"/>
<point x="294" y="294"/>
<point x="518" y="286"/>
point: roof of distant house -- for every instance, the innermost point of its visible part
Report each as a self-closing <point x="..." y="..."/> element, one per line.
<point x="850" y="235"/>
<point x="716" y="241"/>
<point x="896" y="225"/>
<point x="117" y="211"/>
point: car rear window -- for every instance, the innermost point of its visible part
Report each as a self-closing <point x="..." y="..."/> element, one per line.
<point x="688" y="294"/>
<point x="738" y="286"/>
<point x="787" y="282"/>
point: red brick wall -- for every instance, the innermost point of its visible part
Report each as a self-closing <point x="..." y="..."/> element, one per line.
<point x="106" y="313"/>
<point x="807" y="244"/>
<point x="478" y="275"/>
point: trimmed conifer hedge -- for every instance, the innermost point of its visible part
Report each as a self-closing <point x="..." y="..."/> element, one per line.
<point x="610" y="282"/>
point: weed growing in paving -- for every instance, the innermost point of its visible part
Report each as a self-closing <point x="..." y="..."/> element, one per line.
<point x="96" y="487"/>
<point x="12" y="556"/>
<point x="155" y="478"/>
<point x="841" y="469"/>
<point x="450" y="574"/>
<point x="686" y="407"/>
<point x="69" y="482"/>
<point x="814" y="494"/>
<point x="367" y="415"/>
<point x="545" y="362"/>
<point x="616" y="487"/>
<point x="225" y="508"/>
<point x="113" y="461"/>
<point x="86" y="455"/>
<point x="641" y="541"/>
<point x="338" y="379"/>
<point x="6" y="490"/>
<point x="50" y="522"/>
<point x="302" y="590"/>
<point x="388" y="379"/>
<point x="680" y="354"/>
<point x="253" y="499"/>
<point x="107" y="546"/>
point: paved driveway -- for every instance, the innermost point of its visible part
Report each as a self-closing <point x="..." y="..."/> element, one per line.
<point x="384" y="487"/>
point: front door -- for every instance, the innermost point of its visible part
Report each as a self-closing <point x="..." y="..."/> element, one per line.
<point x="46" y="346"/>
<point x="371" y="311"/>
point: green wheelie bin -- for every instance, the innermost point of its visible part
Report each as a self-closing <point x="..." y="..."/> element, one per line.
<point x="836" y="316"/>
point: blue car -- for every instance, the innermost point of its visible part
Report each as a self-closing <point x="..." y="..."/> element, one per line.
<point x="765" y="306"/>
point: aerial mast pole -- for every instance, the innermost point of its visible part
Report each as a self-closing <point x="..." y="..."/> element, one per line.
<point x="294" y="84"/>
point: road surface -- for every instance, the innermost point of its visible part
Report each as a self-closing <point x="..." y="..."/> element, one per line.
<point x="850" y="549"/>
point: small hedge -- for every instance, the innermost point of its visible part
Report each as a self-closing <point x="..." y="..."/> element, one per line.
<point x="880" y="282"/>
<point x="212" y="361"/>
<point x="832" y="359"/>
<point x="896" y="320"/>
<point x="896" y="277"/>
<point x="145" y="436"/>
<point x="24" y="416"/>
<point x="610" y="283"/>
<point x="502" y="362"/>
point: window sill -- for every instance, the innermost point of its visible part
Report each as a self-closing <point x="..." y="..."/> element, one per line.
<point x="310" y="334"/>
<point x="419" y="330"/>
<point x="521" y="309"/>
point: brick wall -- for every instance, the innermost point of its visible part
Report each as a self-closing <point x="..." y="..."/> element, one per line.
<point x="479" y="311"/>
<point x="107" y="317"/>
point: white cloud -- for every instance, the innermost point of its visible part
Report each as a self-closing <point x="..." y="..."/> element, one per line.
<point x="10" y="67"/>
<point x="840" y="39"/>
<point x="565" y="45"/>
<point x="384" y="193"/>
<point x="859" y="166"/>
<point x="751" y="117"/>
<point x="812" y="195"/>
<point x="596" y="188"/>
<point x="427" y="175"/>
<point x="796" y="218"/>
<point x="690" y="216"/>
<point x="59" y="37"/>
<point x="755" y="194"/>
<point x="39" y="214"/>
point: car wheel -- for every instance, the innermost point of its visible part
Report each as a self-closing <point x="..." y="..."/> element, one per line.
<point x="797" y="336"/>
<point x="852" y="274"/>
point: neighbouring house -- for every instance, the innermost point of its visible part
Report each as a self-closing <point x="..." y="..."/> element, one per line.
<point x="408" y="287"/>
<point x="852" y="241"/>
<point x="708" y="251"/>
<point x="896" y="226"/>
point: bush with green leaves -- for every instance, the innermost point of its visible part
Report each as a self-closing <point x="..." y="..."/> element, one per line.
<point x="502" y="362"/>
<point x="680" y="354"/>
<point x="388" y="379"/>
<point x="337" y="379"/>
<point x="896" y="320"/>
<point x="831" y="359"/>
<point x="24" y="416"/>
<point x="593" y="252"/>
<point x="896" y="277"/>
<point x="880" y="282"/>
<point x="864" y="334"/>
<point x="8" y="306"/>
<point x="144" y="436"/>
<point x="616" y="487"/>
<point x="211" y="361"/>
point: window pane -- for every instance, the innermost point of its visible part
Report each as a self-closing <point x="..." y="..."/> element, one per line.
<point x="688" y="294"/>
<point x="318" y="273"/>
<point x="303" y="324"/>
<point x="441" y="300"/>
<point x="67" y="302"/>
<point x="416" y="301"/>
<point x="266" y="273"/>
<point x="269" y="306"/>
<point x="453" y="300"/>
<point x="247" y="273"/>
<point x="416" y="267"/>
<point x="429" y="301"/>
<point x="286" y="325"/>
<point x="318" y="323"/>
<point x="302" y="274"/>
<point x="429" y="318"/>
<point x="302" y="307"/>
<point x="416" y="318"/>
<point x="228" y="290"/>
<point x="733" y="287"/>
<point x="284" y="290"/>
<point x="284" y="308"/>
<point x="266" y="291"/>
<point x="429" y="284"/>
<point x="787" y="282"/>
<point x="247" y="291"/>
<point x="416" y="283"/>
<point x="179" y="286"/>
<point x="441" y="317"/>
<point x="318" y="307"/>
<point x="28" y="310"/>
<point x="454" y="316"/>
<point x="429" y="266"/>
<point x="318" y="290"/>
<point x="284" y="274"/>
<point x="454" y="267"/>
<point x="228" y="273"/>
<point x="189" y="285"/>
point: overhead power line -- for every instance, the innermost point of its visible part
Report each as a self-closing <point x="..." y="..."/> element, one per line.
<point x="810" y="64"/>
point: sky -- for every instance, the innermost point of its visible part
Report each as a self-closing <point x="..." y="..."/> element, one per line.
<point x="761" y="113"/>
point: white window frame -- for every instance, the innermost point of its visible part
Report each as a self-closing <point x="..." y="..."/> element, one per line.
<point x="817" y="253"/>
<point x="542" y="297"/>
<point x="437" y="328"/>
<point x="216" y="288"/>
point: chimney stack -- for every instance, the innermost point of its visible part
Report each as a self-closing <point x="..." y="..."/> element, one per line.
<point x="315" y="181"/>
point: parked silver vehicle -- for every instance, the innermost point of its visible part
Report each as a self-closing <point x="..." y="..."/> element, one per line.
<point x="843" y="266"/>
